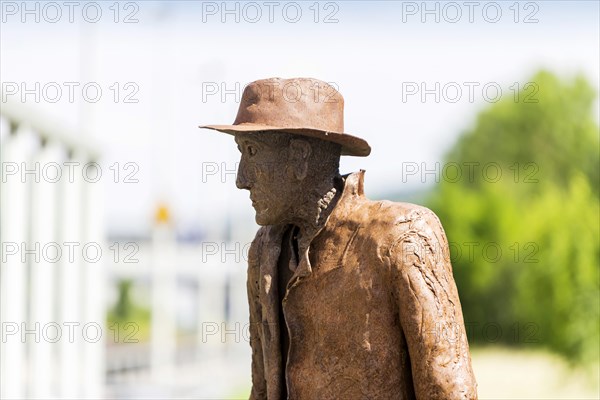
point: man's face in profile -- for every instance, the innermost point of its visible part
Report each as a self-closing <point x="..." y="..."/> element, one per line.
<point x="263" y="170"/>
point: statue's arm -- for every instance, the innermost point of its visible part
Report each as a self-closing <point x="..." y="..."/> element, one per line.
<point x="259" y="387"/>
<point x="430" y="312"/>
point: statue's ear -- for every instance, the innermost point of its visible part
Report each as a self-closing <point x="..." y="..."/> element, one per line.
<point x="299" y="152"/>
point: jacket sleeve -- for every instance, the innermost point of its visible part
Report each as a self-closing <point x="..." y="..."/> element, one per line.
<point x="259" y="386"/>
<point x="430" y="311"/>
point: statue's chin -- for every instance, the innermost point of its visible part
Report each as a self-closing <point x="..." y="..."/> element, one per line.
<point x="263" y="218"/>
<point x="260" y="221"/>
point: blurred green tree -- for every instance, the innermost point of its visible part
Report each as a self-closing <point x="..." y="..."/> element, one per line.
<point x="128" y="321"/>
<point x="519" y="202"/>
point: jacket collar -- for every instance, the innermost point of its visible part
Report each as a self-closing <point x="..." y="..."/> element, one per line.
<point x="353" y="188"/>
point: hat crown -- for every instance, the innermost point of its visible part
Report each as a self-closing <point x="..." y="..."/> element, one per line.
<point x="300" y="106"/>
<point x="292" y="103"/>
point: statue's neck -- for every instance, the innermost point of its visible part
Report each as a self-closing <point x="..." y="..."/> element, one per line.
<point x="311" y="214"/>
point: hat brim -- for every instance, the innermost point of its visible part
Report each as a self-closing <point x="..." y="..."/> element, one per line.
<point x="351" y="145"/>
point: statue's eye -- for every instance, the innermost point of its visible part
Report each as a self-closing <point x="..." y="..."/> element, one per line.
<point x="251" y="150"/>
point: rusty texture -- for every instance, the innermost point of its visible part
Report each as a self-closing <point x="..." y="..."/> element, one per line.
<point x="349" y="298"/>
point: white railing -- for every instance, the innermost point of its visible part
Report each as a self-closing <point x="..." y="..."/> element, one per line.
<point x="45" y="304"/>
<point x="217" y="271"/>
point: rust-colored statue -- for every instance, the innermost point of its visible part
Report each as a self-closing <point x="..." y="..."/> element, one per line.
<point x="349" y="298"/>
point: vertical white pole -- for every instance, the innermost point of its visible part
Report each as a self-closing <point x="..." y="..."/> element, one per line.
<point x="13" y="278"/>
<point x="43" y="273"/>
<point x="163" y="339"/>
<point x="69" y="280"/>
<point x="93" y="282"/>
<point x="92" y="275"/>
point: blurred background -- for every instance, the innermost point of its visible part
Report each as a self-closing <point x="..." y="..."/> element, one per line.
<point x="124" y="239"/>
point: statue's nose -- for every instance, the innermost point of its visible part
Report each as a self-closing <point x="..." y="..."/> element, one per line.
<point x="242" y="181"/>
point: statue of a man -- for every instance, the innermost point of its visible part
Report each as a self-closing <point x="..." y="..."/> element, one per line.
<point x="349" y="298"/>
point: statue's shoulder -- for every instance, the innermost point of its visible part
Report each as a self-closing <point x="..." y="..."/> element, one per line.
<point x="392" y="211"/>
<point x="267" y="237"/>
<point x="393" y="219"/>
<point x="256" y="246"/>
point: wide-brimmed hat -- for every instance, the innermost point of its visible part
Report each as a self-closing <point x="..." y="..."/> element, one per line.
<point x="301" y="106"/>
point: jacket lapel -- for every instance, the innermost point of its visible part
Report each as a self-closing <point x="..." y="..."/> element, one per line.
<point x="269" y="299"/>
